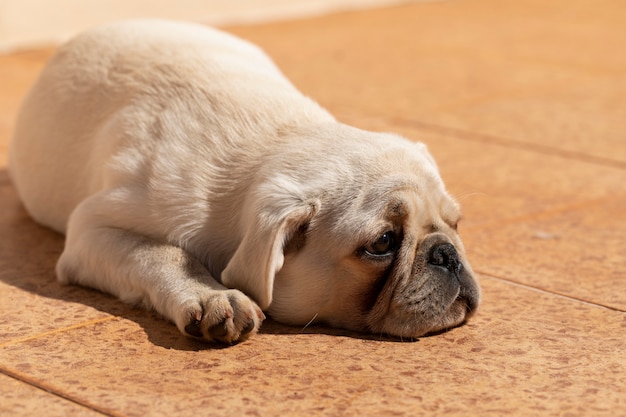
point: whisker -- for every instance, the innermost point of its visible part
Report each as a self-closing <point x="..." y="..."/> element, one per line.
<point x="309" y="323"/>
<point x="463" y="197"/>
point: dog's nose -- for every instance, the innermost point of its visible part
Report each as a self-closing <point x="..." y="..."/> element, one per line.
<point x="446" y="256"/>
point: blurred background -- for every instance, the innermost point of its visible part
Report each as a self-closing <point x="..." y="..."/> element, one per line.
<point x="32" y="23"/>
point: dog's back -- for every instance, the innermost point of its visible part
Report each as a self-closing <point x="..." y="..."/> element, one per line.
<point x="107" y="84"/>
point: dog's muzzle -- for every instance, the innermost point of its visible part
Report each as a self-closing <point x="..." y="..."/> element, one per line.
<point x="438" y="293"/>
<point x="447" y="271"/>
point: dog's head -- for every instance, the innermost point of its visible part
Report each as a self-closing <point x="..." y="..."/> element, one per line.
<point x="371" y="246"/>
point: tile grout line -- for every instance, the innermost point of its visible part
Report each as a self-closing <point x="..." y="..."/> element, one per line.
<point x="510" y="143"/>
<point x="555" y="210"/>
<point x="563" y="296"/>
<point x="55" y="331"/>
<point x="50" y="390"/>
<point x="47" y="388"/>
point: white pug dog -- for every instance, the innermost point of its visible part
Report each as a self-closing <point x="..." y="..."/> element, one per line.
<point x="189" y="175"/>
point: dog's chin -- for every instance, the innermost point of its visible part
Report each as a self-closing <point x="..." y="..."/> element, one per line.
<point x="408" y="323"/>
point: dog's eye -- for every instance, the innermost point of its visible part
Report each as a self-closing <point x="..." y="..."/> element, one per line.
<point x="384" y="245"/>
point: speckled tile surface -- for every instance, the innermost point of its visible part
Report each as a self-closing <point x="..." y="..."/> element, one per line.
<point x="517" y="102"/>
<point x="578" y="252"/>
<point x="19" y="398"/>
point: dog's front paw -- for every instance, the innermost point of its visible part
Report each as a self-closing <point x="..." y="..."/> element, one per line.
<point x="226" y="316"/>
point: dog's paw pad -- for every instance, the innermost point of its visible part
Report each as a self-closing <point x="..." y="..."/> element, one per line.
<point x="194" y="329"/>
<point x="249" y="327"/>
<point x="219" y="331"/>
<point x="227" y="316"/>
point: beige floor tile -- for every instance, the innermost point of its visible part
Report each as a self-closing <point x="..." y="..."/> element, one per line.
<point x="17" y="398"/>
<point x="579" y="252"/>
<point x="545" y="74"/>
<point x="45" y="308"/>
<point x="525" y="352"/>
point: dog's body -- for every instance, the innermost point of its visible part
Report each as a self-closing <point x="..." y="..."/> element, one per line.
<point x="191" y="176"/>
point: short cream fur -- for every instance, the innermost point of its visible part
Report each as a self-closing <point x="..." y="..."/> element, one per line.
<point x="189" y="175"/>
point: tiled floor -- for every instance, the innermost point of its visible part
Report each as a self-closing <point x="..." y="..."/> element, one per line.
<point x="522" y="104"/>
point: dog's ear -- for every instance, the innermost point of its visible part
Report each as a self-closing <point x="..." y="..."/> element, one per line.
<point x="272" y="222"/>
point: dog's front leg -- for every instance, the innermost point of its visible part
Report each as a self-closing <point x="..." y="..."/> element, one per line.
<point x="100" y="254"/>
